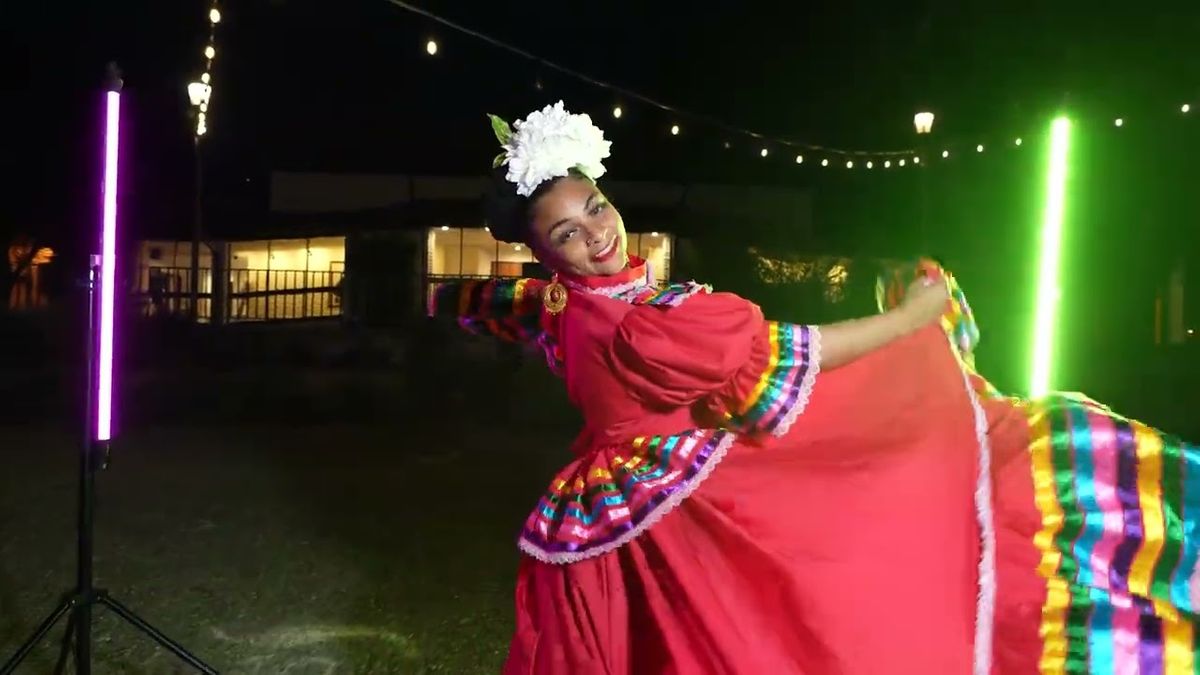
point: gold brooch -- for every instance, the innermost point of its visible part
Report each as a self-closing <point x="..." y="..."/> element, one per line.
<point x="554" y="297"/>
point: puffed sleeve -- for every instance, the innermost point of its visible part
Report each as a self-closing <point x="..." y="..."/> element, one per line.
<point x="747" y="373"/>
<point x="673" y="356"/>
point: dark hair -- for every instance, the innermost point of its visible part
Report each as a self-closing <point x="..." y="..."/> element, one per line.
<point x="508" y="213"/>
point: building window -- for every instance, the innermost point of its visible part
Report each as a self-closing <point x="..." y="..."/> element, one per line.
<point x="472" y="253"/>
<point x="454" y="253"/>
<point x="266" y="280"/>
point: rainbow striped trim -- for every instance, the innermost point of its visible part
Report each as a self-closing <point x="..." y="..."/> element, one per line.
<point x="601" y="502"/>
<point x="1120" y="503"/>
<point x="785" y="385"/>
<point x="509" y="309"/>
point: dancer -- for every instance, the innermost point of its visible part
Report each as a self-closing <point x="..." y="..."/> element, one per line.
<point x="751" y="496"/>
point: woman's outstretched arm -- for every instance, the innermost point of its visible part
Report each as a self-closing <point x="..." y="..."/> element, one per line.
<point x="843" y="342"/>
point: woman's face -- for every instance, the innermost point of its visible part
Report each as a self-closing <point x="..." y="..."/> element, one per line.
<point x="573" y="229"/>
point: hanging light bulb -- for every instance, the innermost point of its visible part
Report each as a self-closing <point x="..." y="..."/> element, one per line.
<point x="198" y="92"/>
<point x="825" y="162"/>
<point x="849" y="164"/>
<point x="916" y="160"/>
<point x="945" y="154"/>
<point x="901" y="162"/>
<point x="205" y="78"/>
<point x="1185" y="108"/>
<point x="727" y="145"/>
<point x="870" y="165"/>
<point x="617" y="112"/>
<point x="210" y="52"/>
<point x="979" y="148"/>
<point x="923" y="122"/>
<point x="674" y="129"/>
<point x="887" y="163"/>
<point x="431" y="48"/>
<point x="764" y="153"/>
<point x="1120" y="122"/>
<point x="1018" y="141"/>
<point x="214" y="15"/>
<point x="799" y="159"/>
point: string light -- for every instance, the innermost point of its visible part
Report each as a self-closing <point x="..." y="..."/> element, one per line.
<point x="849" y="164"/>
<point x="870" y="164"/>
<point x="901" y="163"/>
<point x="1018" y="142"/>
<point x="675" y="131"/>
<point x="431" y="48"/>
<point x="825" y="162"/>
<point x="1119" y="122"/>
<point x="200" y="92"/>
<point x="916" y="160"/>
<point x="617" y="112"/>
<point x="887" y="163"/>
<point x="945" y="154"/>
<point x="979" y="148"/>
<point x="799" y="159"/>
<point x="1185" y="108"/>
<point x="764" y="153"/>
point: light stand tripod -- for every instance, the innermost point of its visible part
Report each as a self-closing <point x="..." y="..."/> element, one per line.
<point x="78" y="603"/>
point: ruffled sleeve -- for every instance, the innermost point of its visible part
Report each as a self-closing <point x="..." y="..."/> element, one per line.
<point x="749" y="374"/>
<point x="509" y="309"/>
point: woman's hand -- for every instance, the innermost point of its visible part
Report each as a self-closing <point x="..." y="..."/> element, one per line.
<point x="925" y="301"/>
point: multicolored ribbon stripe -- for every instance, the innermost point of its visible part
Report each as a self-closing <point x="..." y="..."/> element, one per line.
<point x="1120" y="505"/>
<point x="509" y="309"/>
<point x="599" y="502"/>
<point x="785" y="385"/>
<point x="1120" y="508"/>
<point x="669" y="296"/>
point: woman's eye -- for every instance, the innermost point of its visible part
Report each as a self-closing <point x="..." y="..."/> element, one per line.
<point x="567" y="236"/>
<point x="598" y="207"/>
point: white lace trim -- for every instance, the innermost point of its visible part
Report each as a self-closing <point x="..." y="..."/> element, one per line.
<point x="806" y="384"/>
<point x="985" y="607"/>
<point x="651" y="518"/>
<point x="644" y="280"/>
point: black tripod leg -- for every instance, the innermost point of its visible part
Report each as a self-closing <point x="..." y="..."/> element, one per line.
<point x="155" y="634"/>
<point x="11" y="665"/>
<point x="64" y="652"/>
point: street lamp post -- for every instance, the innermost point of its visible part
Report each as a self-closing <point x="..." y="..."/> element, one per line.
<point x="923" y="124"/>
<point x="198" y="93"/>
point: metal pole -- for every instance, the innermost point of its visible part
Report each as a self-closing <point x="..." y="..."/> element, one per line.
<point x="197" y="228"/>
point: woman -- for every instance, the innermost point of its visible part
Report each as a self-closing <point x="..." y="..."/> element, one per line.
<point x="750" y="496"/>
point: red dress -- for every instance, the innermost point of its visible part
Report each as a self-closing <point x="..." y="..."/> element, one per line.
<point x="733" y="509"/>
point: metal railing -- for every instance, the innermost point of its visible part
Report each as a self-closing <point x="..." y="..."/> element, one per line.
<point x="253" y="295"/>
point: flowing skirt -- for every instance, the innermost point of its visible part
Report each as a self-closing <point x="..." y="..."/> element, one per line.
<point x="910" y="522"/>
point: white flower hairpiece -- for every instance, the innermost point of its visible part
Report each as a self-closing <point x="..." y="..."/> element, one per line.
<point x="549" y="144"/>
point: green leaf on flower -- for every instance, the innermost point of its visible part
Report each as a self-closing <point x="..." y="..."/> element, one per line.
<point x="499" y="161"/>
<point x="503" y="131"/>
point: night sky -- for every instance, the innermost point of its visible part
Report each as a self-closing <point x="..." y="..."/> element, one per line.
<point x="338" y="86"/>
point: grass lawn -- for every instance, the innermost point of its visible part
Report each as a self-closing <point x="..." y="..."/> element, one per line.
<point x="280" y="549"/>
